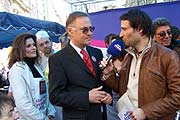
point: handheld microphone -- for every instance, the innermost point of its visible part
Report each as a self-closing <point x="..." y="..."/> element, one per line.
<point x="114" y="50"/>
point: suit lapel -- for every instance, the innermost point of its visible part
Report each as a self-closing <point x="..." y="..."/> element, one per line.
<point x="92" y="57"/>
<point x="76" y="58"/>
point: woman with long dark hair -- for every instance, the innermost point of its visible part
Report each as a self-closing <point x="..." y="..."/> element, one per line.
<point x="27" y="80"/>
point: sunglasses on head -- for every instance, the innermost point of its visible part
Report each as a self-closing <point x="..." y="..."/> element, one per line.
<point x="85" y="30"/>
<point x="163" y="33"/>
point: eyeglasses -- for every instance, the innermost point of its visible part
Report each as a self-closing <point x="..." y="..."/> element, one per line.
<point x="163" y="33"/>
<point x="85" y="30"/>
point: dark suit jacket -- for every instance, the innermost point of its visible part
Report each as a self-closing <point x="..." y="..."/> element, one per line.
<point x="70" y="81"/>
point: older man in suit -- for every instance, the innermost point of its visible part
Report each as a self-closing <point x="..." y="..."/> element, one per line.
<point x="75" y="74"/>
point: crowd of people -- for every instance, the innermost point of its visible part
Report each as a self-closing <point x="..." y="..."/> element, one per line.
<point x="142" y="83"/>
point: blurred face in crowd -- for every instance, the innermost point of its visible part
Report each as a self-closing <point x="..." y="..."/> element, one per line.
<point x="108" y="44"/>
<point x="163" y="35"/>
<point x="130" y="36"/>
<point x="45" y="45"/>
<point x="8" y="113"/>
<point x="30" y="48"/>
<point x="80" y="31"/>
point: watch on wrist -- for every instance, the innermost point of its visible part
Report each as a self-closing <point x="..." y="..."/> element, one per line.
<point x="105" y="77"/>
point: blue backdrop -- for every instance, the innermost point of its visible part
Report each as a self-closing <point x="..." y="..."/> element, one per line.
<point x="108" y="21"/>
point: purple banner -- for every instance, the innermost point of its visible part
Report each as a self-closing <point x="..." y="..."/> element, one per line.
<point x="107" y="22"/>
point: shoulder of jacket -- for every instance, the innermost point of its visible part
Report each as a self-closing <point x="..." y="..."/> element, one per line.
<point x="58" y="53"/>
<point x="94" y="49"/>
<point x="163" y="50"/>
<point x="19" y="65"/>
<point x="90" y="47"/>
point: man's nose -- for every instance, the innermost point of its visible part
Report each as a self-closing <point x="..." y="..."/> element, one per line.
<point x="89" y="32"/>
<point x="45" y="45"/>
<point x="121" y="34"/>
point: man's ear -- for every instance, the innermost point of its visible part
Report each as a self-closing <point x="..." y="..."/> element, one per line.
<point x="140" y="31"/>
<point x="69" y="31"/>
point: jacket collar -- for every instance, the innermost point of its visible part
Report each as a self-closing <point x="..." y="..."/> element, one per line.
<point x="75" y="57"/>
<point x="146" y="48"/>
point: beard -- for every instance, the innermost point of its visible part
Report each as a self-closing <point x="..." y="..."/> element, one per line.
<point x="47" y="51"/>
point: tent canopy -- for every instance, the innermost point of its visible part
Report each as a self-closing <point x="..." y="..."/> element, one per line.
<point x="12" y="25"/>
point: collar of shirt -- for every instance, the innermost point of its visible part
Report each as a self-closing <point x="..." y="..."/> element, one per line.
<point x="131" y="50"/>
<point x="78" y="50"/>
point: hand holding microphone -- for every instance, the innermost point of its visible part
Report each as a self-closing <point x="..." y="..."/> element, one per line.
<point x="114" y="50"/>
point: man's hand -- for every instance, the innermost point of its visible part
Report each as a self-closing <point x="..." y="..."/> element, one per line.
<point x="107" y="99"/>
<point x="117" y="64"/>
<point x="137" y="114"/>
<point x="107" y="68"/>
<point x="96" y="95"/>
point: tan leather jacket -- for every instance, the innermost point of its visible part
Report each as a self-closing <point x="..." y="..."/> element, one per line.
<point x="159" y="82"/>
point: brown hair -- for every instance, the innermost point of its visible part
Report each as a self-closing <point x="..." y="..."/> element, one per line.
<point x="139" y="20"/>
<point x="18" y="47"/>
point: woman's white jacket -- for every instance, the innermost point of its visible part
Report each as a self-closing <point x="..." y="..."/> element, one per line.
<point x="21" y="82"/>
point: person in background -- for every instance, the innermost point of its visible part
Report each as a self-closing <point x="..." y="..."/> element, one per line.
<point x="1" y="81"/>
<point x="64" y="40"/>
<point x="149" y="76"/>
<point x="110" y="38"/>
<point x="44" y="44"/>
<point x="178" y="38"/>
<point x="175" y="33"/>
<point x="27" y="80"/>
<point x="162" y="34"/>
<point x="3" y="78"/>
<point x="74" y="74"/>
<point x="175" y="44"/>
<point x="7" y="108"/>
<point x="112" y="113"/>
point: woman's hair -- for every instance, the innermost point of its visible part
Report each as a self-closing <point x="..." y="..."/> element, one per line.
<point x="18" y="48"/>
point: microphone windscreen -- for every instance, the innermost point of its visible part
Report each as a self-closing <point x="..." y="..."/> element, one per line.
<point x="115" y="48"/>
